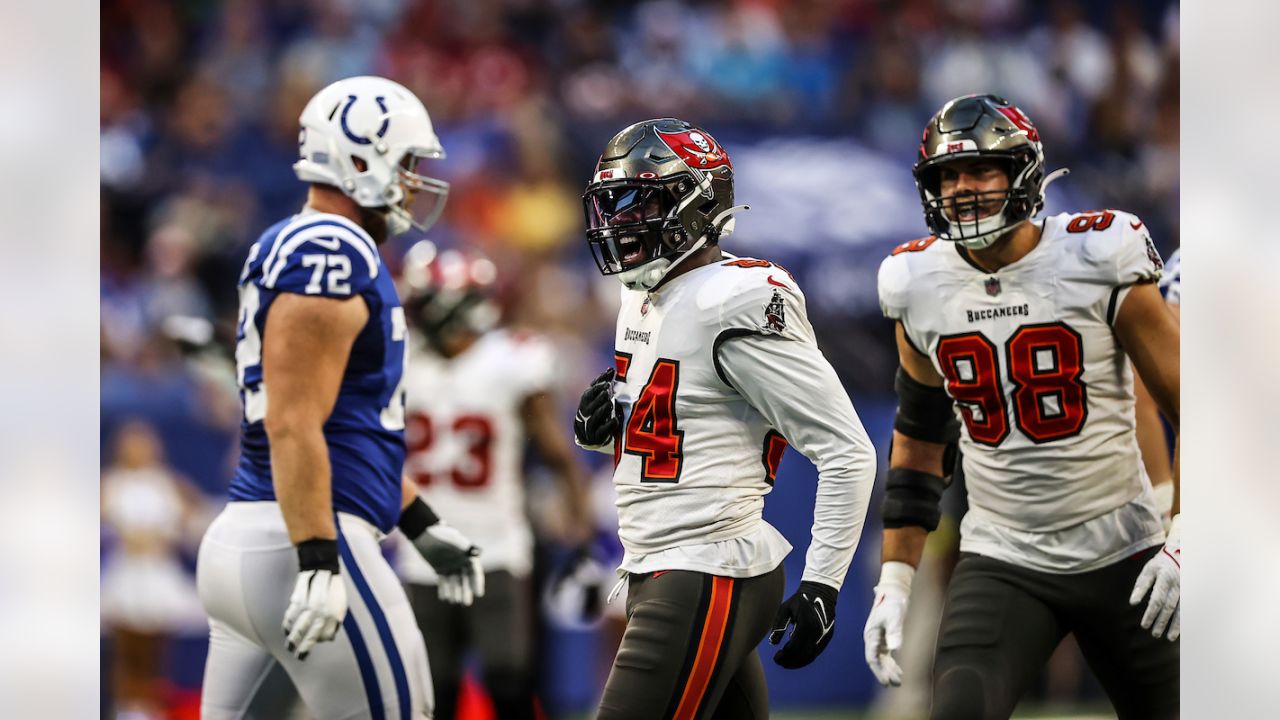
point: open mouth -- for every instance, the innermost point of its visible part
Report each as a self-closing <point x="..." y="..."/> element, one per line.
<point x="971" y="209"/>
<point x="631" y="249"/>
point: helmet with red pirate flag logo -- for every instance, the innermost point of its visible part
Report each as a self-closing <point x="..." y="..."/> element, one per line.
<point x="662" y="189"/>
<point x="974" y="128"/>
<point x="448" y="293"/>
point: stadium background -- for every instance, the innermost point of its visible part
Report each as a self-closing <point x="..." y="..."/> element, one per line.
<point x="819" y="103"/>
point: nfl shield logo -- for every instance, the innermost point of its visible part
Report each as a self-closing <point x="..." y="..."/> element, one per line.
<point x="993" y="286"/>
<point x="644" y="307"/>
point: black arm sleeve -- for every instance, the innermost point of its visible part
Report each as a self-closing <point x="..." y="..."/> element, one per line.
<point x="924" y="413"/>
<point x="912" y="498"/>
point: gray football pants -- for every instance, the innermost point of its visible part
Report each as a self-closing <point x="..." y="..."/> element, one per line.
<point x="499" y="626"/>
<point x="376" y="667"/>
<point x="689" y="650"/>
<point x="1002" y="622"/>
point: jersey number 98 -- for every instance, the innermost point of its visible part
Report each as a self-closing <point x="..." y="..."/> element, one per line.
<point x="1044" y="364"/>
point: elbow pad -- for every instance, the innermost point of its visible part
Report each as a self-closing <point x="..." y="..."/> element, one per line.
<point x="912" y="498"/>
<point x="924" y="413"/>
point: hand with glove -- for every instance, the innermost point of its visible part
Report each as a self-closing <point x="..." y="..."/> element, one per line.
<point x="1162" y="578"/>
<point x="447" y="551"/>
<point x="596" y="420"/>
<point x="812" y="612"/>
<point x="319" y="601"/>
<point x="575" y="594"/>
<point x="883" y="632"/>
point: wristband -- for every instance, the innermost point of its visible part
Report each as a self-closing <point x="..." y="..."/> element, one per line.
<point x="416" y="519"/>
<point x="897" y="576"/>
<point x="318" y="554"/>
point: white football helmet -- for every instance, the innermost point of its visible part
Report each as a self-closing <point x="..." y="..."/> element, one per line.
<point x="370" y="138"/>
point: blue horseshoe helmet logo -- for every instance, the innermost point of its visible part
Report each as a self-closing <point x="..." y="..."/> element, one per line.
<point x="342" y="119"/>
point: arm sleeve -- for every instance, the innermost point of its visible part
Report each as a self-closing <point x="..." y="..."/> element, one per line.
<point x="792" y="385"/>
<point x="329" y="261"/>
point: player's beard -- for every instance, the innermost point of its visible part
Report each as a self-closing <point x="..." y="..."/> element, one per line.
<point x="374" y="222"/>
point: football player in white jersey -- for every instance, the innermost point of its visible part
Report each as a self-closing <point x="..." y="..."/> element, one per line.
<point x="291" y="573"/>
<point x="475" y="392"/>
<point x="717" y="371"/>
<point x="1024" y="330"/>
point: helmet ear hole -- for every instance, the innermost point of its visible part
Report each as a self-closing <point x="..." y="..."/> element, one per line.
<point x="359" y="163"/>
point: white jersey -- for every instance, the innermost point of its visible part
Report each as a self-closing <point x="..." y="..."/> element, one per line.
<point x="465" y="437"/>
<point x="1041" y="385"/>
<point x="717" y="370"/>
<point x="144" y="585"/>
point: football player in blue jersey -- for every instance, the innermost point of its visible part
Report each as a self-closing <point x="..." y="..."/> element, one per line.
<point x="320" y="355"/>
<point x="1152" y="436"/>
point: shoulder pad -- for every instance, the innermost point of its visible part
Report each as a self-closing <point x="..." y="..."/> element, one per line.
<point x="321" y="254"/>
<point x="1117" y="244"/>
<point x="893" y="281"/>
<point x="756" y="295"/>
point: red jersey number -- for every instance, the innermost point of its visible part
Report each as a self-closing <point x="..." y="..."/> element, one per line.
<point x="914" y="245"/>
<point x="476" y="469"/>
<point x="1084" y="222"/>
<point x="973" y="379"/>
<point x="1045" y="362"/>
<point x="1045" y="365"/>
<point x="652" y="431"/>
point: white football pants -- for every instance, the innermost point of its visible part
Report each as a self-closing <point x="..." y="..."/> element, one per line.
<point x="375" y="668"/>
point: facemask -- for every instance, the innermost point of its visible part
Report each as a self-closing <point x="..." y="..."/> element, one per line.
<point x="647" y="276"/>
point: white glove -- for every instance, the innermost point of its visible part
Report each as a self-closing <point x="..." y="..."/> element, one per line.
<point x="883" y="632"/>
<point x="455" y="560"/>
<point x="316" y="610"/>
<point x="1162" y="577"/>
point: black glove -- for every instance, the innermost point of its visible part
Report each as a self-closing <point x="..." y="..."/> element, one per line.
<point x="812" y="610"/>
<point x="576" y="592"/>
<point x="596" y="421"/>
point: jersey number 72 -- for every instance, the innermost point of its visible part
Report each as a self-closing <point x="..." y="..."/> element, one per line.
<point x="1044" y="363"/>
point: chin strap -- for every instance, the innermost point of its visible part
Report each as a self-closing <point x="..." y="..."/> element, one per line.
<point x="398" y="221"/>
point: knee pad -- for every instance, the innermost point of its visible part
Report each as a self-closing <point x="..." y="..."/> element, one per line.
<point x="963" y="692"/>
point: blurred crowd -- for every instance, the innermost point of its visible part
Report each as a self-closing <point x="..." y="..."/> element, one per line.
<point x="200" y="101"/>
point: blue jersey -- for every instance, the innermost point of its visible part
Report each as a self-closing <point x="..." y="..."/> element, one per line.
<point x="329" y="256"/>
<point x="1171" y="281"/>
